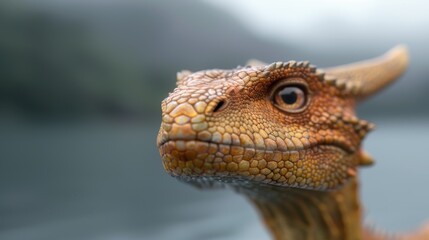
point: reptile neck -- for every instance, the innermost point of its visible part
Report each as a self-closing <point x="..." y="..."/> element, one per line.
<point x="305" y="214"/>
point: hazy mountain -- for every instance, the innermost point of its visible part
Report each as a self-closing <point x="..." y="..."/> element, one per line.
<point x="85" y="58"/>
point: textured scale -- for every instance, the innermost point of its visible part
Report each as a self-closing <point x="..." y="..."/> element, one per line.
<point x="220" y="127"/>
<point x="254" y="146"/>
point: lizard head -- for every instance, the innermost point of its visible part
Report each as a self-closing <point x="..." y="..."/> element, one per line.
<point x="286" y="124"/>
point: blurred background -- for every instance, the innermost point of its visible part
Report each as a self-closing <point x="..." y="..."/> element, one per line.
<point x="80" y="89"/>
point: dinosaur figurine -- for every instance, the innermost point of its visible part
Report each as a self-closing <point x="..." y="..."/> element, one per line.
<point x="285" y="135"/>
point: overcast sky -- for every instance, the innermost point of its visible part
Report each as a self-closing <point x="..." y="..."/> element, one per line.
<point x="306" y="19"/>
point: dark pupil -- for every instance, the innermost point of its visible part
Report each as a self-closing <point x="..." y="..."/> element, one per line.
<point x="289" y="95"/>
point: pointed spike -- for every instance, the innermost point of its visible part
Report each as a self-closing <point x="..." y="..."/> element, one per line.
<point x="271" y="67"/>
<point x="363" y="123"/>
<point x="370" y="126"/>
<point x="292" y="64"/>
<point x="365" y="159"/>
<point x="363" y="127"/>
<point x="351" y="172"/>
<point x="330" y="80"/>
<point x="279" y="64"/>
<point x="267" y="74"/>
<point x="305" y="64"/>
<point x="353" y="120"/>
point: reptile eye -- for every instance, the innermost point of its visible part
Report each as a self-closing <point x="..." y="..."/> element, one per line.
<point x="290" y="98"/>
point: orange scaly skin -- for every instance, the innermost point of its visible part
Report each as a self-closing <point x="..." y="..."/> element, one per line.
<point x="297" y="163"/>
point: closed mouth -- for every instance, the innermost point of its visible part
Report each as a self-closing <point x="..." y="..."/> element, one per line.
<point x="336" y="144"/>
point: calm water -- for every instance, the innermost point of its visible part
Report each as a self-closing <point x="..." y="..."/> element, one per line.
<point x="105" y="181"/>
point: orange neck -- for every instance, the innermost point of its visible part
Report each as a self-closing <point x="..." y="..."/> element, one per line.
<point x="305" y="214"/>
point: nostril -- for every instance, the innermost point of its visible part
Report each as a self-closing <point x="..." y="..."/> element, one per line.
<point x="219" y="106"/>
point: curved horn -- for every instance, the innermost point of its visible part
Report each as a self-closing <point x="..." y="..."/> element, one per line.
<point x="367" y="77"/>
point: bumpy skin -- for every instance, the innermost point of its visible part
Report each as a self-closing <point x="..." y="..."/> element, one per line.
<point x="313" y="149"/>
<point x="222" y="126"/>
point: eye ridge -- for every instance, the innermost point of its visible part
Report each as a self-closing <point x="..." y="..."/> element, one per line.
<point x="290" y="97"/>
